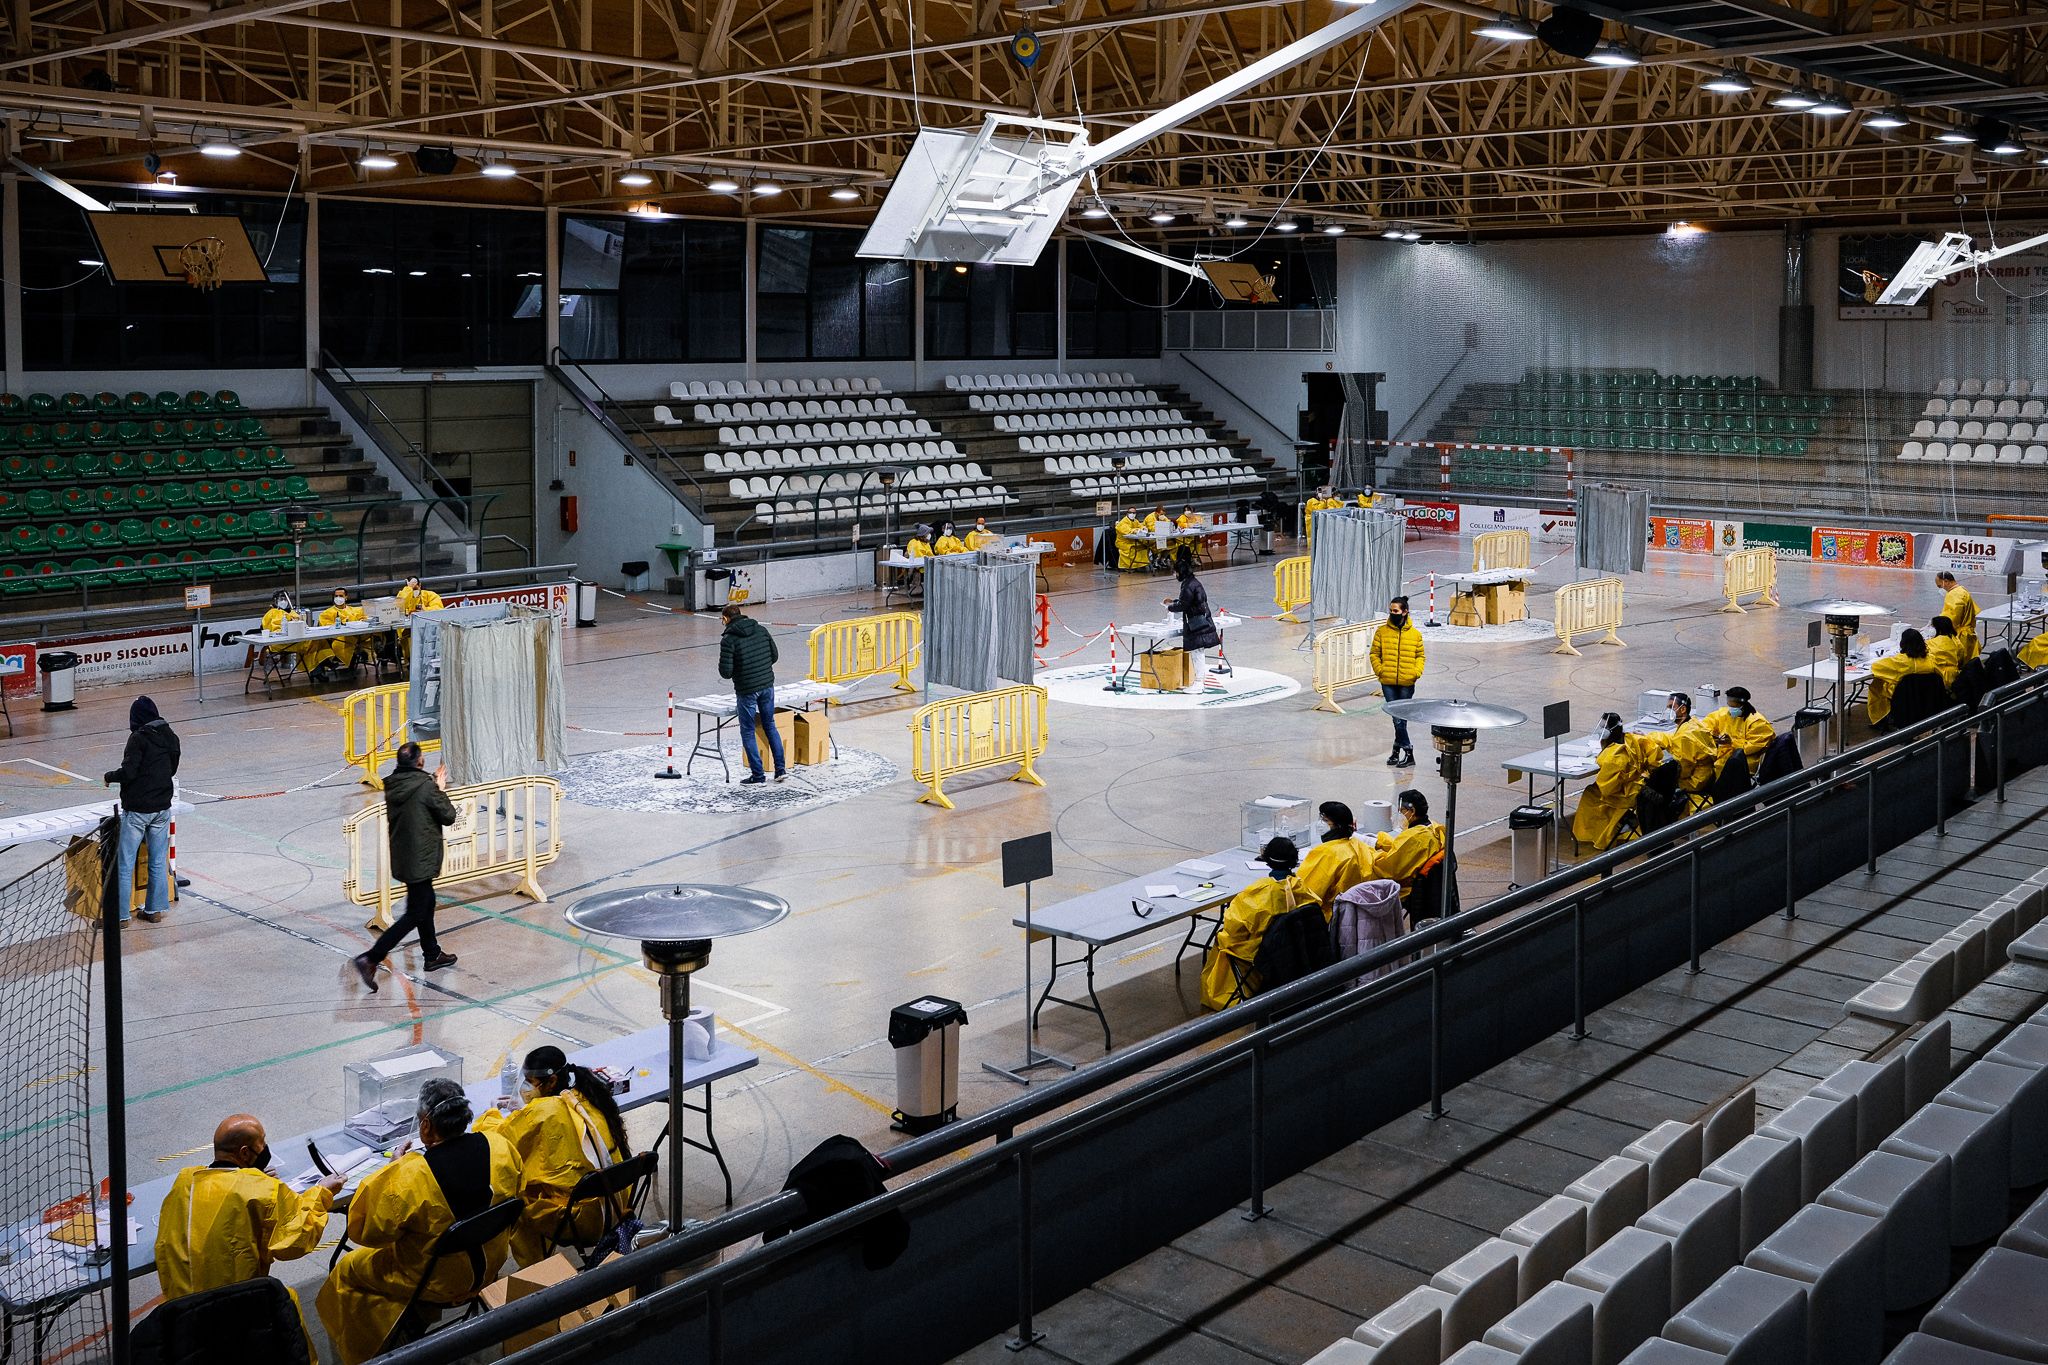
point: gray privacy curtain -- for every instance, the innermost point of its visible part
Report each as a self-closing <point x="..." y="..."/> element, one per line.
<point x="977" y="621"/>
<point x="501" y="697"/>
<point x="1355" y="562"/>
<point x="1613" y="527"/>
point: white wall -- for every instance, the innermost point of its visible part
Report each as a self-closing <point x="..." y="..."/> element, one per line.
<point x="624" y="511"/>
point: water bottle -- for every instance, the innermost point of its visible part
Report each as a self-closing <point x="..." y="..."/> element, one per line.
<point x="509" y="1078"/>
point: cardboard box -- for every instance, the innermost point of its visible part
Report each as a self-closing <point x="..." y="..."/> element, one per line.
<point x="1165" y="670"/>
<point x="529" y="1279"/>
<point x="1465" y="610"/>
<point x="813" y="738"/>
<point x="1503" y="602"/>
<point x="785" y="726"/>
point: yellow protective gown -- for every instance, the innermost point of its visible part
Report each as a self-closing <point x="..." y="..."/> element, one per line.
<point x="559" y="1139"/>
<point x="1308" y="515"/>
<point x="341" y="649"/>
<point x="1961" y="609"/>
<point x="223" y="1225"/>
<point x="393" y="1221"/>
<point x="1695" y="748"/>
<point x="2034" y="653"/>
<point x="1947" y="653"/>
<point x="1402" y="857"/>
<point x="1884" y="676"/>
<point x="980" y="538"/>
<point x="1612" y="794"/>
<point x="1133" y="549"/>
<point x="1245" y="921"/>
<point x="273" y="622"/>
<point x="949" y="545"/>
<point x="1752" y="733"/>
<point x="918" y="548"/>
<point x="1333" y="867"/>
<point x="424" y="599"/>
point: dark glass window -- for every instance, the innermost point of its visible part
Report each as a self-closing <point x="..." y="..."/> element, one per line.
<point x="1303" y="271"/>
<point x="817" y="300"/>
<point x="640" y="289"/>
<point x="992" y="312"/>
<point x="1113" y="302"/>
<point x="75" y="317"/>
<point x="430" y="287"/>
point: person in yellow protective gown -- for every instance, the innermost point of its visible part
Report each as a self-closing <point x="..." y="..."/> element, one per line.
<point x="1133" y="547"/>
<point x="2034" y="653"/>
<point x="1691" y="743"/>
<point x="1324" y="499"/>
<point x="1945" y="649"/>
<point x="1339" y="862"/>
<point x="1886" y="672"/>
<point x="282" y="609"/>
<point x="1961" y="609"/>
<point x="400" y="1210"/>
<point x="1625" y="760"/>
<point x="415" y="596"/>
<point x="980" y="538"/>
<point x="1404" y="856"/>
<point x="948" y="543"/>
<point x="567" y="1125"/>
<point x="1738" y="725"/>
<point x="327" y="658"/>
<point x="920" y="544"/>
<point x="228" y="1222"/>
<point x="1245" y="921"/>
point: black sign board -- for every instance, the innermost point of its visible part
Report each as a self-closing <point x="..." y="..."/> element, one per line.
<point x="1028" y="859"/>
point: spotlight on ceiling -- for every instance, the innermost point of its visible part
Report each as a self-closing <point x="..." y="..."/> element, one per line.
<point x="846" y="194"/>
<point x="1392" y="234"/>
<point x="1827" y="106"/>
<point x="1615" y="54"/>
<point x="1236" y="221"/>
<point x="1682" y="230"/>
<point x="377" y="161"/>
<point x="220" y="149"/>
<point x="1995" y="138"/>
<point x="498" y="170"/>
<point x="1571" y="32"/>
<point x="1411" y="236"/>
<point x="1095" y="211"/>
<point x="1728" y="81"/>
<point x="1797" y="98"/>
<point x="767" y="187"/>
<point x="1287" y="225"/>
<point x="1506" y="29"/>
<point x="55" y="136"/>
<point x="1333" y="229"/>
<point x="1162" y="217"/>
<point x="1886" y="118"/>
<point x="722" y="186"/>
<point x="636" y="178"/>
<point x="1956" y="136"/>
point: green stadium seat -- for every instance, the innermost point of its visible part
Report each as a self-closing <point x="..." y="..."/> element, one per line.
<point x="169" y="404"/>
<point x="42" y="404"/>
<point x="17" y="467"/>
<point x="176" y="495"/>
<point x="31" y="434"/>
<point x="138" y="404"/>
<point x="62" y="536"/>
<point x="186" y="561"/>
<point x="25" y="540"/>
<point x="128" y="571"/>
<point x="75" y="404"/>
<point x="227" y="400"/>
<point x="53" y="466"/>
<point x="185" y="461"/>
<point x="88" y="464"/>
<point x="296" y="487"/>
<point x="230" y="526"/>
<point x="199" y="400"/>
<point x="199" y="526"/>
<point x="221" y="562"/>
<point x="100" y="433"/>
<point x="16" y="580"/>
<point x="123" y="464"/>
<point x="12" y="405"/>
<point x="214" y="460"/>
<point x="75" y="501"/>
<point x="132" y="531"/>
<point x="12" y="508"/>
<point x="245" y="460"/>
<point x="107" y="404"/>
<point x="265" y="523"/>
<point x="323" y="523"/>
<point x="157" y="567"/>
<point x="153" y="462"/>
<point x="49" y="576"/>
<point x="144" y="497"/>
<point x="110" y="499"/>
<point x="98" y="534"/>
<point x="248" y="429"/>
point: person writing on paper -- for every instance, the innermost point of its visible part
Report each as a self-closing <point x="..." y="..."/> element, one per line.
<point x="1245" y="921"/>
<point x="230" y="1220"/>
<point x="1946" y="649"/>
<point x="948" y="543"/>
<point x="1886" y="673"/>
<point x="1418" y="846"/>
<point x="1625" y="761"/>
<point x="563" y="1124"/>
<point x="980" y="538"/>
<point x="1198" y="634"/>
<point x="1738" y="725"/>
<point x="1961" y="610"/>
<point x="397" y="1214"/>
<point x="1340" y="861"/>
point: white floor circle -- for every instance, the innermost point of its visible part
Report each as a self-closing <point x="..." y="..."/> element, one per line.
<point x="1513" y="633"/>
<point x="623" y="779"/>
<point x="1083" y="685"/>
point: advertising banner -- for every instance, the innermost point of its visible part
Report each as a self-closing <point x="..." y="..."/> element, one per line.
<point x="1687" y="535"/>
<point x="1431" y="518"/>
<point x="18" y="670"/>
<point x="1791" y="542"/>
<point x="1856" y="545"/>
<point x="1546" y="525"/>
<point x="1074" y="548"/>
<point x="1961" y="552"/>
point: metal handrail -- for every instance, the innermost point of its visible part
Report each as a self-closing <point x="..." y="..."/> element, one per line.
<point x="1244" y="403"/>
<point x="466" y="500"/>
<point x="424" y="476"/>
<point x="1272" y="1014"/>
<point x="653" y="451"/>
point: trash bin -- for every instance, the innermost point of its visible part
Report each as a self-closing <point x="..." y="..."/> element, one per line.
<point x="635" y="573"/>
<point x="926" y="1036"/>
<point x="1810" y="723"/>
<point x="586" y="604"/>
<point x="717" y="589"/>
<point x="1532" y="830"/>
<point x="59" y="686"/>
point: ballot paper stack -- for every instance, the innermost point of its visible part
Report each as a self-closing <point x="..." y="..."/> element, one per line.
<point x="381" y="1096"/>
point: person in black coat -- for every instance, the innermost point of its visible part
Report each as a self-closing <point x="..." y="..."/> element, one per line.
<point x="1197" y="625"/>
<point x="147" y="778"/>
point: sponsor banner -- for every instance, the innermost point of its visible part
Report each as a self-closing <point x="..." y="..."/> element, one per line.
<point x="1856" y="545"/>
<point x="1964" y="553"/>
<point x="1687" y="535"/>
<point x="1432" y="518"/>
<point x="1074" y="548"/>
<point x="1791" y="542"/>
<point x="18" y="670"/>
<point x="1545" y="525"/>
<point x="555" y="597"/>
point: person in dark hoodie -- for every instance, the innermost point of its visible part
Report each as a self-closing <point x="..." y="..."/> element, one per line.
<point x="747" y="655"/>
<point x="415" y="811"/>
<point x="146" y="776"/>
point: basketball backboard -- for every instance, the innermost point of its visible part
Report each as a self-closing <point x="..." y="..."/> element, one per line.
<point x="149" y="248"/>
<point x="1239" y="282"/>
<point x="947" y="203"/>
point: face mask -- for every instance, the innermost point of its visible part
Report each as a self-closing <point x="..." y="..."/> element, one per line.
<point x="262" y="1162"/>
<point x="528" y="1092"/>
<point x="1395" y="618"/>
<point x="341" y="601"/>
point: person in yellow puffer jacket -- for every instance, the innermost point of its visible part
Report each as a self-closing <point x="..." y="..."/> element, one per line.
<point x="1397" y="657"/>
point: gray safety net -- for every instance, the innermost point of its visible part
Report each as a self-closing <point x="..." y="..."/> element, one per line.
<point x="1613" y="527"/>
<point x="978" y="621"/>
<point x="1355" y="562"/>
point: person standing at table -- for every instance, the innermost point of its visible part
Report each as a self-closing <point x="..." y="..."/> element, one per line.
<point x="147" y="779"/>
<point x="1961" y="610"/>
<point x="1198" y="634"/>
<point x="1397" y="658"/>
<point x="416" y="809"/>
<point x="747" y="656"/>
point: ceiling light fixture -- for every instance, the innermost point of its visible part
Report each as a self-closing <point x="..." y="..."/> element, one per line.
<point x="1411" y="236"/>
<point x="1728" y="81"/>
<point x="1505" y="29"/>
<point x="1955" y="135"/>
<point x="1570" y="32"/>
<point x="1162" y="217"/>
<point x="846" y="194"/>
<point x="1392" y="234"/>
<point x="1797" y="99"/>
<point x="499" y="170"/>
<point x="87" y="260"/>
<point x="1995" y="138"/>
<point x="52" y="135"/>
<point x="636" y="178"/>
<point x="649" y="211"/>
<point x="1235" y="221"/>
<point x="1095" y="211"/>
<point x="1615" y="54"/>
<point x="1333" y="230"/>
<point x="1289" y="225"/>
<point x="722" y="186"/>
<point x="220" y="149"/>
<point x="1886" y="118"/>
<point x="1828" y="107"/>
<point x="1682" y="229"/>
<point x="767" y="187"/>
<point x="377" y="161"/>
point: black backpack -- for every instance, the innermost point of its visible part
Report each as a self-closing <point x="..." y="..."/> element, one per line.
<point x="1426" y="896"/>
<point x="1781" y="759"/>
<point x="1293" y="946"/>
<point x="1972" y="682"/>
<point x="1659" y="802"/>
<point x="1733" y="779"/>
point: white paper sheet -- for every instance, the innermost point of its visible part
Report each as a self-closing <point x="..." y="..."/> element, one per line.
<point x="1195" y="867"/>
<point x="391" y="1068"/>
<point x="1162" y="889"/>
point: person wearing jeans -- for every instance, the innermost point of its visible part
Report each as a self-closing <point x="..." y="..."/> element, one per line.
<point x="147" y="778"/>
<point x="416" y="810"/>
<point x="747" y="656"/>
<point x="1397" y="660"/>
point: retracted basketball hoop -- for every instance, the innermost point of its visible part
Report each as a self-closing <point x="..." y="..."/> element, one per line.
<point x="201" y="259"/>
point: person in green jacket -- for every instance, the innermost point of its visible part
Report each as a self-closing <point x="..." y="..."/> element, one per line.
<point x="415" y="811"/>
<point x="747" y="655"/>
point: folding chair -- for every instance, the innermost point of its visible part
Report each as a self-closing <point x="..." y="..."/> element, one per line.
<point x="633" y="1177"/>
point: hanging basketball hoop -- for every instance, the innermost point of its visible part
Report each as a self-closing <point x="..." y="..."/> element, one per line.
<point x="201" y="260"/>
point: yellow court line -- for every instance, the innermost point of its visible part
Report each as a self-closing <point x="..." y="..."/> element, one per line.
<point x="831" y="1084"/>
<point x="548" y="1013"/>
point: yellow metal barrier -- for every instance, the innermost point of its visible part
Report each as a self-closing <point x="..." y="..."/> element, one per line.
<point x="1592" y="605"/>
<point x="979" y="730"/>
<point x="373" y="725"/>
<point x="1343" y="659"/>
<point x="855" y="650"/>
<point x="1747" y="571"/>
<point x="1500" y="550"/>
<point x="508" y="828"/>
<point x="1290" y="587"/>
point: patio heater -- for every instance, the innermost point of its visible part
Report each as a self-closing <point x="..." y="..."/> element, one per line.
<point x="1454" y="728"/>
<point x="296" y="519"/>
<point x="1843" y="618"/>
<point x="675" y="925"/>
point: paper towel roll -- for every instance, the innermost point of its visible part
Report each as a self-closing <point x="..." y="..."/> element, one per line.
<point x="1375" y="817"/>
<point x="700" y="1032"/>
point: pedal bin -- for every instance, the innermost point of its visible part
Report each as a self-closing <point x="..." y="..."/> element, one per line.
<point x="586" y="604"/>
<point x="60" y="688"/>
<point x="1532" y="833"/>
<point x="926" y="1036"/>
<point x="1810" y="723"/>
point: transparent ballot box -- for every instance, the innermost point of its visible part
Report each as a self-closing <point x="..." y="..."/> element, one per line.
<point x="1270" y="816"/>
<point x="381" y="1097"/>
